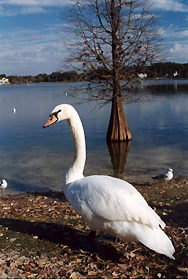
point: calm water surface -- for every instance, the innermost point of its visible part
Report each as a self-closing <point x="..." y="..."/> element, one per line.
<point x="36" y="159"/>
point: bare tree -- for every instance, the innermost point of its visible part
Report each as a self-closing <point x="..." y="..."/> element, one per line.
<point x="118" y="37"/>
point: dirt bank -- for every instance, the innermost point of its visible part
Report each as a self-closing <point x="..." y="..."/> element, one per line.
<point x="41" y="236"/>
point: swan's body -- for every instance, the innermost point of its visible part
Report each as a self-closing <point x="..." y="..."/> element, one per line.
<point x="107" y="203"/>
<point x="167" y="176"/>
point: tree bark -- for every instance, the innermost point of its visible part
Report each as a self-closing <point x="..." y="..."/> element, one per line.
<point x="118" y="129"/>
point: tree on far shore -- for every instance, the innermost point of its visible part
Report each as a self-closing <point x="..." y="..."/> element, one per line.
<point x="114" y="39"/>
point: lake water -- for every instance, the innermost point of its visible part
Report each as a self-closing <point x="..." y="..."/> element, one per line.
<point x="35" y="159"/>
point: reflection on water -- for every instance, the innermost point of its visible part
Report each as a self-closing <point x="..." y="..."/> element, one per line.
<point x="118" y="153"/>
<point x="167" y="88"/>
<point x="36" y="159"/>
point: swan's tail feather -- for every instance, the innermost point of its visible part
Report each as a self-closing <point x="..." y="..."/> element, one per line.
<point x="156" y="240"/>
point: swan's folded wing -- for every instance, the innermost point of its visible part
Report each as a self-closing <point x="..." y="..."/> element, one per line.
<point x="113" y="199"/>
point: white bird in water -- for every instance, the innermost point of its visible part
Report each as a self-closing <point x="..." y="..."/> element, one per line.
<point x="3" y="184"/>
<point x="165" y="176"/>
<point x="106" y="203"/>
<point x="14" y="110"/>
<point x="66" y="93"/>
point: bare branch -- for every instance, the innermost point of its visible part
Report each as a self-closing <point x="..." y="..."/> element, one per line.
<point x="118" y="37"/>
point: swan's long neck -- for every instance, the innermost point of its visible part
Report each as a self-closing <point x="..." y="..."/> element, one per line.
<point x="76" y="170"/>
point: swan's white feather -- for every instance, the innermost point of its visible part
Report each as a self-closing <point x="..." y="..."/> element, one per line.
<point x="106" y="203"/>
<point x="111" y="199"/>
<point x="116" y="207"/>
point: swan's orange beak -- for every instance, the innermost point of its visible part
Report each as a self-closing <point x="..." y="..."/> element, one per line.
<point x="51" y="120"/>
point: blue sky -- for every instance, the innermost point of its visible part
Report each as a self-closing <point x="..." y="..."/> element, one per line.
<point x="33" y="34"/>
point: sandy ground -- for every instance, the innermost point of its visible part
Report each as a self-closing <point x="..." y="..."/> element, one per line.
<point x="42" y="237"/>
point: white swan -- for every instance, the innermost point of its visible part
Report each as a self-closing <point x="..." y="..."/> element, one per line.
<point x="109" y="204"/>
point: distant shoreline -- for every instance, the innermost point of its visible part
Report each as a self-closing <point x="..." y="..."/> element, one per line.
<point x="68" y="81"/>
<point x="160" y="70"/>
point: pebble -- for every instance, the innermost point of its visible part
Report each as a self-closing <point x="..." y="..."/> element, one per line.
<point x="3" y="275"/>
<point x="35" y="237"/>
<point x="12" y="239"/>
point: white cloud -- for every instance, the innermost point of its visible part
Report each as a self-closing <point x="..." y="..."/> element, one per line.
<point x="40" y="3"/>
<point x="31" y="10"/>
<point x="161" y="32"/>
<point x="26" y="51"/>
<point x="21" y="11"/>
<point x="183" y="33"/>
<point x="23" y="7"/>
<point x="179" y="52"/>
<point x="169" y="5"/>
<point x="175" y="44"/>
<point x="176" y="48"/>
<point x="173" y="32"/>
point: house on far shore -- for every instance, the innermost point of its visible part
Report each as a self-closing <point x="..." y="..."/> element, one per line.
<point x="142" y="76"/>
<point x="4" y="81"/>
<point x="175" y="74"/>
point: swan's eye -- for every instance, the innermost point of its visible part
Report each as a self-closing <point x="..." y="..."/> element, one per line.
<point x="55" y="114"/>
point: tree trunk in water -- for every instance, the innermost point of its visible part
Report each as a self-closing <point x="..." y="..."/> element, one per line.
<point x="118" y="129"/>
